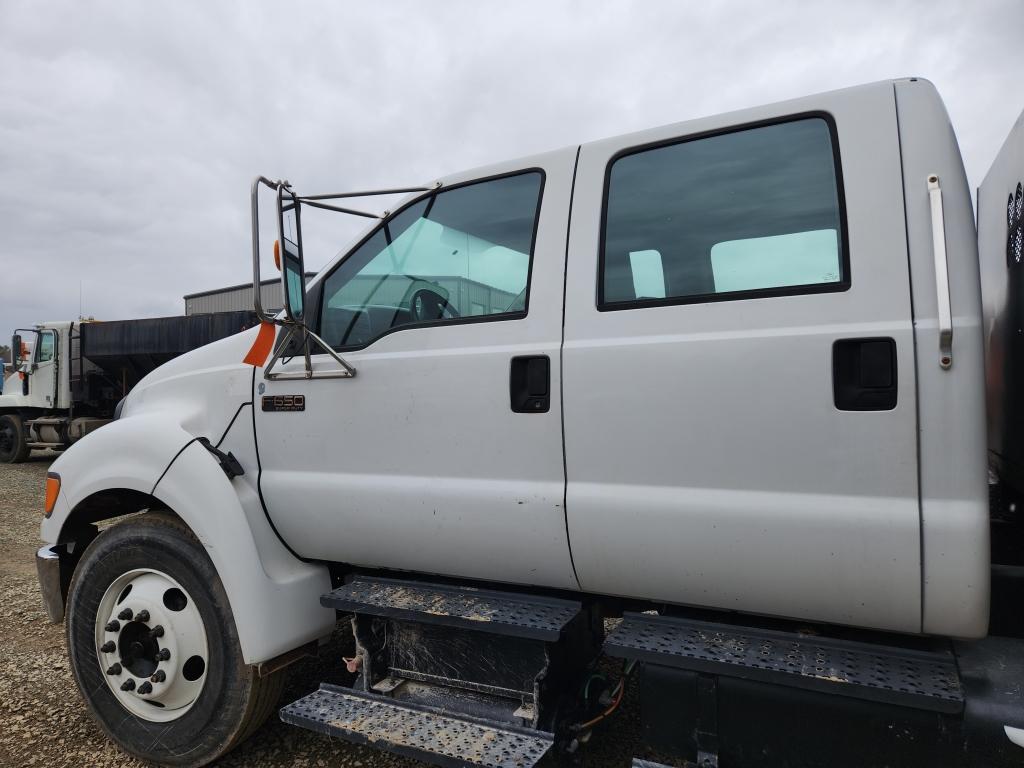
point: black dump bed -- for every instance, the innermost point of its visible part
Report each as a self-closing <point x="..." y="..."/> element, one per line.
<point x="111" y="357"/>
<point x="1001" y="251"/>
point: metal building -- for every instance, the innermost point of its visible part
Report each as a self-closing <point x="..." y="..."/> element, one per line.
<point x="473" y="297"/>
<point x="237" y="297"/>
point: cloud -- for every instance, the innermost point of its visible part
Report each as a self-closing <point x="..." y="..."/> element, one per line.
<point x="129" y="133"/>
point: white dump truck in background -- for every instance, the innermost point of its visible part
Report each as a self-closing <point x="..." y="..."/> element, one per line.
<point x="68" y="377"/>
<point x="723" y="382"/>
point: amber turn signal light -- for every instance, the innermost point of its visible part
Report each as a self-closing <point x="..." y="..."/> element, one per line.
<point x="277" y="254"/>
<point x="52" y="489"/>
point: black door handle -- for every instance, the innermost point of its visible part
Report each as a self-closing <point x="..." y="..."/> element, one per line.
<point x="530" y="384"/>
<point x="864" y="374"/>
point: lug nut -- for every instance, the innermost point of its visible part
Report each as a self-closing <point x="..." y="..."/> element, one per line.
<point x="128" y="685"/>
<point x="145" y="688"/>
<point x="159" y="676"/>
<point x="142" y="616"/>
<point x="157" y="631"/>
<point x="125" y="615"/>
<point x="115" y="669"/>
<point x="113" y="626"/>
<point x="108" y="647"/>
<point x="163" y="655"/>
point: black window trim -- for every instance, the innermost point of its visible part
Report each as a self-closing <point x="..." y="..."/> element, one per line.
<point x="756" y="293"/>
<point x="432" y="195"/>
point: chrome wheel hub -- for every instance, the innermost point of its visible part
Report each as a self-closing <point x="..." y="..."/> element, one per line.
<point x="151" y="645"/>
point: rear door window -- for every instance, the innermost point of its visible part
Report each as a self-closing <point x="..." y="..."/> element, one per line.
<point x="753" y="212"/>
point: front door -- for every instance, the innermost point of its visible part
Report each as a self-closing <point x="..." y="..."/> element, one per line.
<point x="444" y="453"/>
<point x="43" y="379"/>
<point x="740" y="407"/>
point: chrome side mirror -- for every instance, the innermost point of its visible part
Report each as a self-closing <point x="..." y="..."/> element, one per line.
<point x="293" y="270"/>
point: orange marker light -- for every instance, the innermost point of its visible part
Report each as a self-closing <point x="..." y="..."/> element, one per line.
<point x="52" y="489"/>
<point x="277" y="254"/>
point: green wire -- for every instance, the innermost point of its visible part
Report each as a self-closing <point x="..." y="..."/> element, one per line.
<point x="595" y="676"/>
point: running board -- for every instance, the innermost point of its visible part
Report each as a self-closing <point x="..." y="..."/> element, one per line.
<point x="414" y="730"/>
<point x="924" y="680"/>
<point x="491" y="656"/>
<point x="501" y="613"/>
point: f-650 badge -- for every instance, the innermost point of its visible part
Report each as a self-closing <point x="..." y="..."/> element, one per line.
<point x="284" y="402"/>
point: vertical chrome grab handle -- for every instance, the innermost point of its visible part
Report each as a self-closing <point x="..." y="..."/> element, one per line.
<point x="941" y="273"/>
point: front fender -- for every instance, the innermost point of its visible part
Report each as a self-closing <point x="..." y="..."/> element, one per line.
<point x="274" y="596"/>
<point x="130" y="454"/>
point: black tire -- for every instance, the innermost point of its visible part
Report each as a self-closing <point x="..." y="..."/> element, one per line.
<point x="13" y="439"/>
<point x="234" y="702"/>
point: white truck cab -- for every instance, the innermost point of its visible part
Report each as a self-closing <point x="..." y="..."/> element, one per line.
<point x="38" y="359"/>
<point x="35" y="386"/>
<point x="729" y="370"/>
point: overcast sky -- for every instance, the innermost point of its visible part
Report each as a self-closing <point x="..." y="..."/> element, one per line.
<point x="129" y="133"/>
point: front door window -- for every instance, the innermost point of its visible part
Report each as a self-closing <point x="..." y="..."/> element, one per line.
<point x="47" y="343"/>
<point x="461" y="254"/>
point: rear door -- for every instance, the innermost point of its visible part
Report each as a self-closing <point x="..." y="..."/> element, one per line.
<point x="738" y="365"/>
<point x="444" y="453"/>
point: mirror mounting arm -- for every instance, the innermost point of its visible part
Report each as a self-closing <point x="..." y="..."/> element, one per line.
<point x="297" y="330"/>
<point x="302" y="334"/>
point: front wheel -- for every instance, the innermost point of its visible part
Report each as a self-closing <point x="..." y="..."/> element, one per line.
<point x="154" y="649"/>
<point x="13" y="440"/>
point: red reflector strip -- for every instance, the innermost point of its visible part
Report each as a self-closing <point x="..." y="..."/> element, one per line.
<point x="260" y="350"/>
<point x="52" y="489"/>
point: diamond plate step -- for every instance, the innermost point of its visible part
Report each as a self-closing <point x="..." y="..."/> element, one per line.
<point x="920" y="679"/>
<point x="416" y="731"/>
<point x="503" y="613"/>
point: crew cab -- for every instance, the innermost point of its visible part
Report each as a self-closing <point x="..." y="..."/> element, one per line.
<point x="718" y="386"/>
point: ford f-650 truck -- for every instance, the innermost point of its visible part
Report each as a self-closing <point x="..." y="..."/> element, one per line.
<point x="709" y="399"/>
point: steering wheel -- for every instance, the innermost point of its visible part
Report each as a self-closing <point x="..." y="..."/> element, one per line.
<point x="426" y="305"/>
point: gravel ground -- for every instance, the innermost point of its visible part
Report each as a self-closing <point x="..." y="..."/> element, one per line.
<point x="43" y="721"/>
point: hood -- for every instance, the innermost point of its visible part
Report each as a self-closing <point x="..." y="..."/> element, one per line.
<point x="199" y="387"/>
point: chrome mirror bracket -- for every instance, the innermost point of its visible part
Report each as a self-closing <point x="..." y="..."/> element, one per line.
<point x="297" y="332"/>
<point x="305" y="337"/>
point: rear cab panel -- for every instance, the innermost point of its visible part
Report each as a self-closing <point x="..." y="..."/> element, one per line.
<point x="951" y="403"/>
